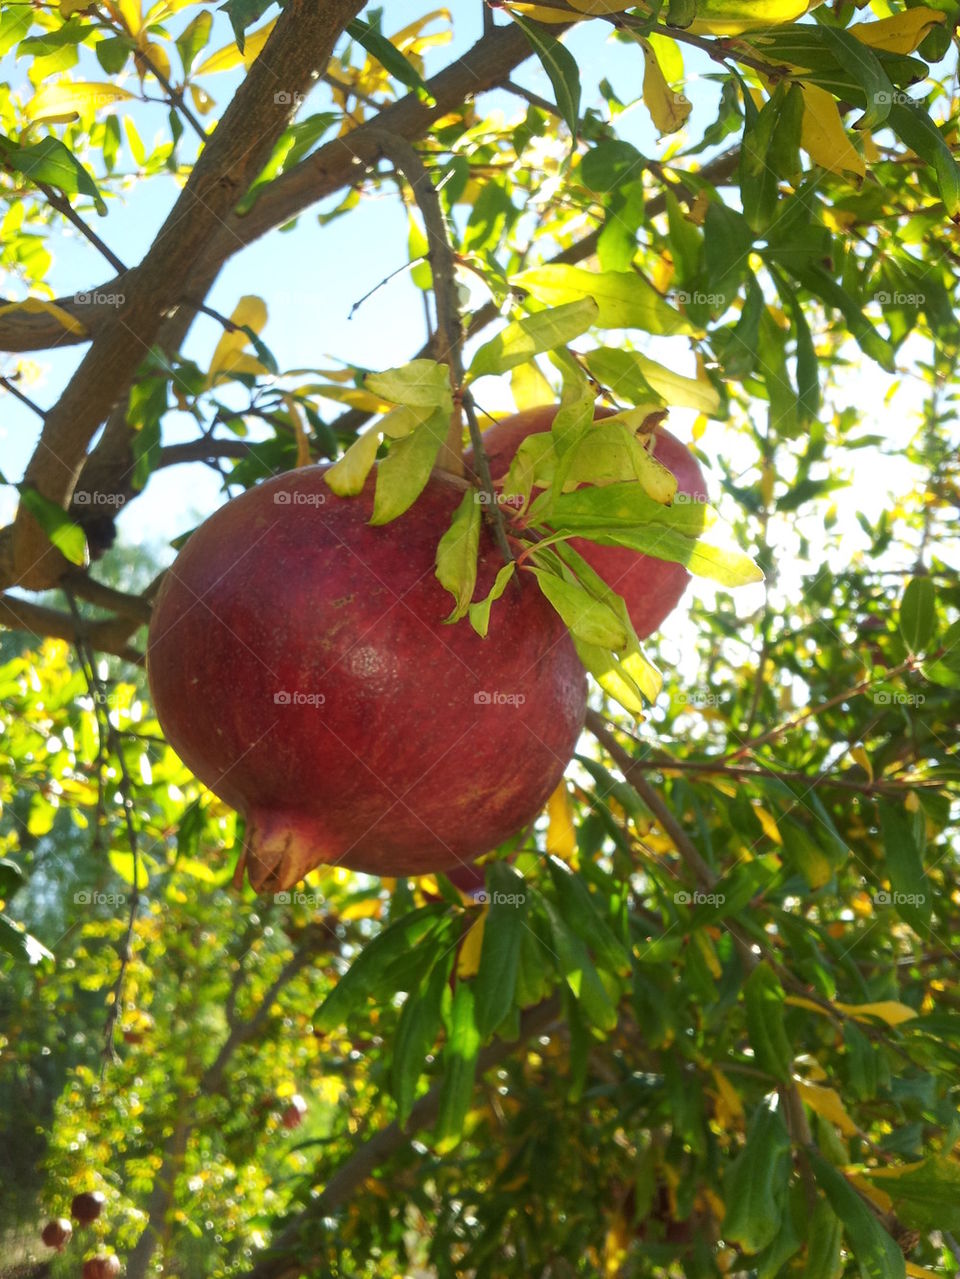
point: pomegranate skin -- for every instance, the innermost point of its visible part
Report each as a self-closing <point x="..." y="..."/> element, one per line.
<point x="651" y="588"/>
<point x="430" y="745"/>
<point x="56" y="1234"/>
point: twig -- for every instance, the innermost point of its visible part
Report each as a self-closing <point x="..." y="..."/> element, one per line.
<point x="8" y="385"/>
<point x="107" y="731"/>
<point x="64" y="206"/>
<point x="406" y="266"/>
<point x="482" y="465"/>
<point x="87" y="588"/>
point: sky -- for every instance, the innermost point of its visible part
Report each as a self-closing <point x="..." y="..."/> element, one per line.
<point x="310" y="278"/>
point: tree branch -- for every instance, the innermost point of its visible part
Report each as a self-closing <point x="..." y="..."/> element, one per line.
<point x="109" y="636"/>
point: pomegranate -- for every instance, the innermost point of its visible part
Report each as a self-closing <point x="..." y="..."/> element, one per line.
<point x="56" y="1234"/>
<point x="104" y="1266"/>
<point x="293" y="1113"/>
<point x="87" y="1207"/>
<point x="300" y="666"/>
<point x="650" y="587"/>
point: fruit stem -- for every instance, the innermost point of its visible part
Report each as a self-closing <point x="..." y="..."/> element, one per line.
<point x="448" y="338"/>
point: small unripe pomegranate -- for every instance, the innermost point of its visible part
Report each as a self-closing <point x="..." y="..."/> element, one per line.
<point x="651" y="588"/>
<point x="56" y="1234"/>
<point x="294" y="1111"/>
<point x="87" y="1207"/>
<point x="105" y="1266"/>
<point x="301" y="666"/>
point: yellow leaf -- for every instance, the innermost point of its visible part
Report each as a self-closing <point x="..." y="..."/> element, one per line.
<point x="826" y="1102"/>
<point x="366" y="909"/>
<point x="468" y="960"/>
<point x="299" y="430"/>
<point x="706" y="948"/>
<point x="65" y="101"/>
<point x="899" y="34"/>
<point x="823" y="136"/>
<point x="541" y="12"/>
<point x="668" y="110"/>
<point x="561" y="837"/>
<point x="159" y="58"/>
<point x="530" y="388"/>
<point x="201" y="99"/>
<point x="227" y="58"/>
<point x="355" y="396"/>
<point x="733" y="17"/>
<point x="878" y="1197"/>
<point x="918" y="1271"/>
<point x="888" y="1010"/>
<point x="250" y="311"/>
<point x="728" y="1095"/>
<point x="129" y="14"/>
<point x="860" y="756"/>
<point x="33" y="306"/>
<point x="347" y="476"/>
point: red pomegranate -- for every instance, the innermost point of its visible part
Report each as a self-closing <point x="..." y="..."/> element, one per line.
<point x="651" y="588"/>
<point x="300" y="666"/>
<point x="294" y="1111"/>
<point x="87" y="1207"/>
<point x="105" y="1266"/>
<point x="56" y="1234"/>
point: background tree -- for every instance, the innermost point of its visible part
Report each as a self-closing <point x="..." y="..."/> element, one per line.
<point x="706" y="1018"/>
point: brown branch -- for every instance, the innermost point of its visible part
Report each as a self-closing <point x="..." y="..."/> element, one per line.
<point x="376" y="1150"/>
<point x="135" y="607"/>
<point x="300" y="44"/>
<point x="8" y="384"/>
<point x="106" y="637"/>
<point x="202" y="451"/>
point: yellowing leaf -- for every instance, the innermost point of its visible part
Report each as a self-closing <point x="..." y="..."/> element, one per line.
<point x="368" y="908"/>
<point x="561" y="836"/>
<point x="33" y="306"/>
<point x="879" y="1198"/>
<point x="668" y="109"/>
<point x="728" y="1096"/>
<point x="529" y="387"/>
<point x="768" y="823"/>
<point x="65" y="101"/>
<point x="347" y="476"/>
<point x="468" y="961"/>
<point x="860" y="756"/>
<point x="159" y="59"/>
<point x="826" y="1102"/>
<point x="888" y="1010"/>
<point x="129" y="12"/>
<point x="733" y="17"/>
<point x="823" y="136"/>
<point x="541" y="12"/>
<point x="227" y="58"/>
<point x="299" y="431"/>
<point x="250" y="311"/>
<point x="918" y="1272"/>
<point x="899" y="34"/>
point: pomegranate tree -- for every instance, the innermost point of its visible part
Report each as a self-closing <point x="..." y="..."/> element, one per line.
<point x="301" y="667"/>
<point x="651" y="588"/>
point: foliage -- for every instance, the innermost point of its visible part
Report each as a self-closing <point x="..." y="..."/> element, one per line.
<point x="703" y="1017"/>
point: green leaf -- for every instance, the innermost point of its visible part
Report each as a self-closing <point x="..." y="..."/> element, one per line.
<point x="67" y="537"/>
<point x="729" y="567"/>
<point x="610" y="164"/>
<point x="588" y="619"/>
<point x="459" y="1065"/>
<point x="129" y="867"/>
<point x="243" y="14"/>
<point x="457" y="554"/>
<point x="419" y="384"/>
<point x="613" y="507"/>
<point x="11" y="878"/>
<point x="523" y="339"/>
<point x="625" y="299"/>
<point x="871" y="1247"/>
<point x="404" y="472"/>
<point x="20" y="944"/>
<point x="389" y="56"/>
<point x="577" y="969"/>
<point x="416" y="1034"/>
<point x="479" y="613"/>
<point x="561" y="67"/>
<point x="50" y="162"/>
<point x="757" y="1181"/>
<point x="926" y="1195"/>
<point x="579" y="909"/>
<point x="764" y="996"/>
<point x="193" y="38"/>
<point x="365" y="975"/>
<point x="914" y="127"/>
<point x="824" y="1244"/>
<point x="503" y="930"/>
<point x="918" y="613"/>
<point x="911" y="894"/>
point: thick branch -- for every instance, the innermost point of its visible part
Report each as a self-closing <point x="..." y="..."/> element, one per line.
<point x="109" y="636"/>
<point x="299" y="45"/>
